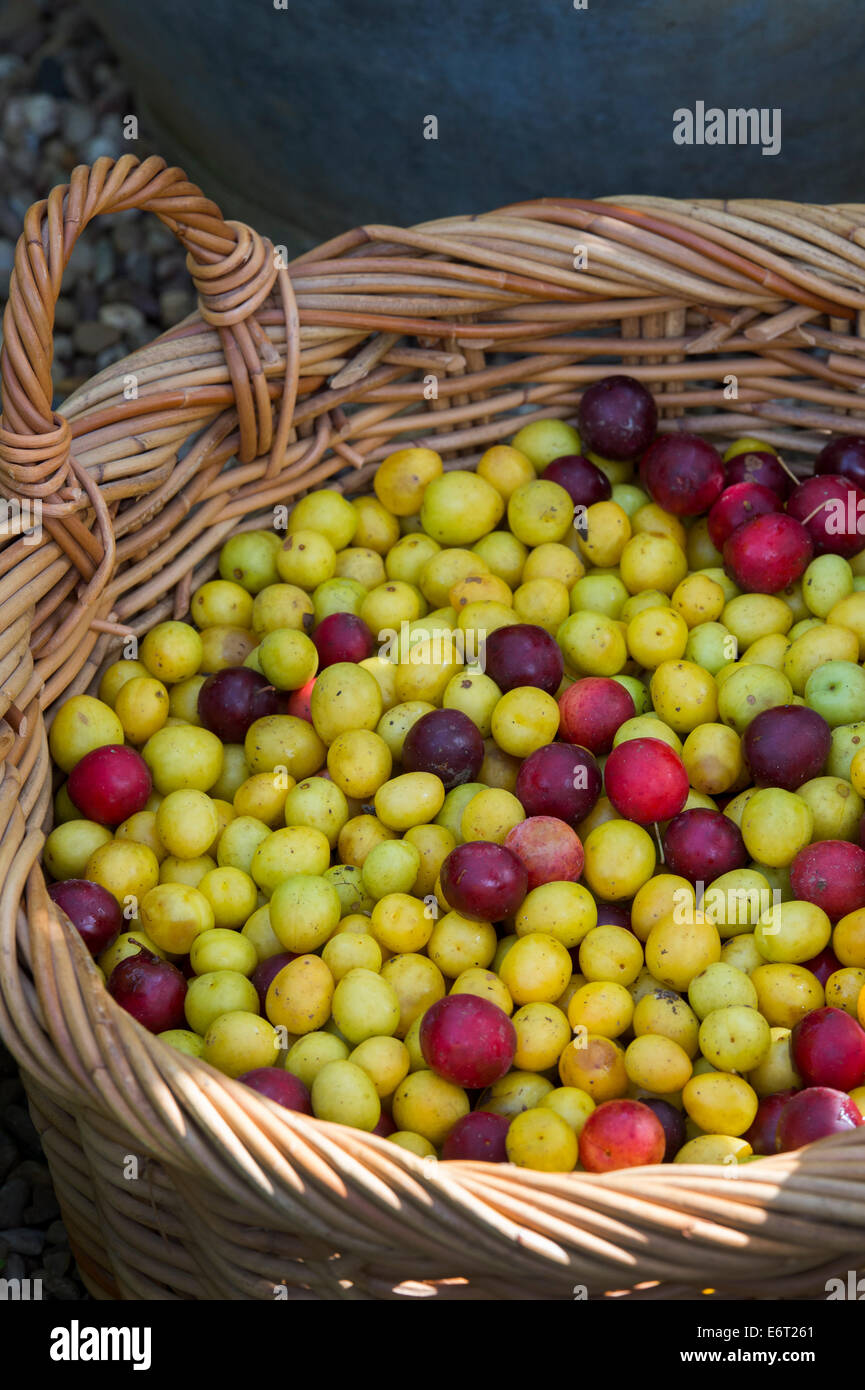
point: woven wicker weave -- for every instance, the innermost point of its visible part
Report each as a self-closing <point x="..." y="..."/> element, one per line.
<point x="286" y="377"/>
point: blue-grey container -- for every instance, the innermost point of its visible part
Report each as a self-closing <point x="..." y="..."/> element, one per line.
<point x="309" y="118"/>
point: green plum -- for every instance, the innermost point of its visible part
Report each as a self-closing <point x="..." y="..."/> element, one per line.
<point x="825" y="582"/>
<point x="638" y="692"/>
<point x="711" y="645"/>
<point x="748" y="691"/>
<point x="847" y="740"/>
<point x="836" y="690"/>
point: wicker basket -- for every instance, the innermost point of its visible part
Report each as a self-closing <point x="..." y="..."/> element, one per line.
<point x="175" y="1182"/>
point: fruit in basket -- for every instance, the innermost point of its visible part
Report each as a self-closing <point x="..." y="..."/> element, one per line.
<point x="815" y="1113"/>
<point x="540" y="1138"/>
<point x="768" y="554"/>
<point x="447" y="743"/>
<point x="150" y="989"/>
<point x="582" y="480"/>
<point x="843" y="457"/>
<point x="279" y="1085"/>
<point x="621" y="1134"/>
<point x="341" y="637"/>
<point x="91" y="909"/>
<point x="786" y="746"/>
<point x="523" y="655"/>
<point x="432" y="872"/>
<point x="479" y="1137"/>
<point x="682" y="473"/>
<point x="483" y="880"/>
<point x="231" y="700"/>
<point x="828" y="1049"/>
<point x="81" y="725"/>
<point x="560" y="780"/>
<point x="549" y="849"/>
<point x="467" y="1040"/>
<point x="836" y="691"/>
<point x="109" y="784"/>
<point x="737" y="504"/>
<point x="702" y="845"/>
<point x="617" y="417"/>
<point x="759" y="466"/>
<point x="672" y="1122"/>
<point x="646" y="780"/>
<point x="592" y="710"/>
<point x="763" y="1134"/>
<point x="832" y="510"/>
<point x="832" y="875"/>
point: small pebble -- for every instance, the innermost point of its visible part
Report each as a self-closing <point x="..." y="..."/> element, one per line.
<point x="124" y="317"/>
<point x="57" y="1262"/>
<point x="64" y="314"/>
<point x="78" y="124"/>
<point x="62" y="1289"/>
<point x="24" y="1240"/>
<point x="8" y="1155"/>
<point x="44" y="1207"/>
<point x="174" y="305"/>
<point x="14" y="1268"/>
<point x="93" y="338"/>
<point x="56" y="1234"/>
<point x="13" y="1200"/>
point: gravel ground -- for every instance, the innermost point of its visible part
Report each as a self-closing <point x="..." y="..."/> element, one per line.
<point x="33" y="1240"/>
<point x="62" y="103"/>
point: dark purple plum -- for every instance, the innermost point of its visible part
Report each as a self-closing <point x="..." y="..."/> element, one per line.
<point x="480" y="1137"/>
<point x="523" y="654"/>
<point x="682" y="473"/>
<point x="760" y="466"/>
<point x="232" y="699"/>
<point x="845" y="458"/>
<point x="786" y="746"/>
<point x="447" y="743"/>
<point x="832" y="510"/>
<point x="672" y="1123"/>
<point x="763" y="1134"/>
<point x="267" y="970"/>
<point x="703" y="844"/>
<point x="279" y="1085"/>
<point x="342" y="637"/>
<point x="92" y="909"/>
<point x="483" y="880"/>
<point x="560" y="779"/>
<point x="581" y="479"/>
<point x="614" y="915"/>
<point x="617" y="418"/>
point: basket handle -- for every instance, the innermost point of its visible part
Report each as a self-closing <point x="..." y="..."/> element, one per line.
<point x="233" y="270"/>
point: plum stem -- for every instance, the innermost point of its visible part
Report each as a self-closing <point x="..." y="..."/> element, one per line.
<point x="657" y="830"/>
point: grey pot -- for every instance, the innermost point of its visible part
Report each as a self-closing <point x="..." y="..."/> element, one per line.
<point x="310" y="119"/>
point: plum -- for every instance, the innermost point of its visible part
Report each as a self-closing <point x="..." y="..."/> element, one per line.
<point x="621" y="1134"/>
<point x="467" y="1040"/>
